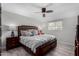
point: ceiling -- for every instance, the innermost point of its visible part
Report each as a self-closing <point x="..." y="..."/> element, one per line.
<point x="61" y="10"/>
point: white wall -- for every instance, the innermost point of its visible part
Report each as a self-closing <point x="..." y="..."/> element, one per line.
<point x="10" y="18"/>
<point x="67" y="35"/>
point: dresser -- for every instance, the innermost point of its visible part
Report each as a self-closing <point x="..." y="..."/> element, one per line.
<point x="12" y="42"/>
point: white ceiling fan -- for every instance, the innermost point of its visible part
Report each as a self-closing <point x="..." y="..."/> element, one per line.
<point x="44" y="10"/>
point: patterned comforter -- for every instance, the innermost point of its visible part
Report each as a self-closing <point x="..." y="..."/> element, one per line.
<point x="35" y="41"/>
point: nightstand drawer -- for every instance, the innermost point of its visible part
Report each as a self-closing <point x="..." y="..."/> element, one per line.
<point x="12" y="41"/>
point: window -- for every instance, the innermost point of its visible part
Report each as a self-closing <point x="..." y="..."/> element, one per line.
<point x="55" y="25"/>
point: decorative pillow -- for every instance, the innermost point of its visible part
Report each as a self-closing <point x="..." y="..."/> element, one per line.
<point x="40" y="32"/>
<point x="35" y="32"/>
<point x="32" y="33"/>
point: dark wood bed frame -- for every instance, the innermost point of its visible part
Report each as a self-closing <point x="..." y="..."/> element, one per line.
<point x="41" y="50"/>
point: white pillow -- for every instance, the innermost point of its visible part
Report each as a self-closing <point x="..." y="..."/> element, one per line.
<point x="26" y="33"/>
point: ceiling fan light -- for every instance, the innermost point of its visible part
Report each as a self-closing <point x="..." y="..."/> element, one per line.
<point x="44" y="15"/>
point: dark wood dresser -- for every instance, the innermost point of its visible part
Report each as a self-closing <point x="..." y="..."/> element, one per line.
<point x="12" y="42"/>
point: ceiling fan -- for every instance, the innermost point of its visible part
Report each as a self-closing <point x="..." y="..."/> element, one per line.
<point x="44" y="10"/>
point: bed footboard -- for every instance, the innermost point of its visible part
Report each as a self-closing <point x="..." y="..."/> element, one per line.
<point x="42" y="50"/>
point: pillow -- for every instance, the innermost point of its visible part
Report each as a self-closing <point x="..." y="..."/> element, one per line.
<point x="31" y="31"/>
<point x="34" y="32"/>
<point x="40" y="32"/>
<point x="22" y="33"/>
<point x="26" y="33"/>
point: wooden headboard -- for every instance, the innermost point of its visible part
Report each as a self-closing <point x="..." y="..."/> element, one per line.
<point x="25" y="27"/>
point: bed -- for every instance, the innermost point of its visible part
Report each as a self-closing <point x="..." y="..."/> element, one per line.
<point x="32" y="44"/>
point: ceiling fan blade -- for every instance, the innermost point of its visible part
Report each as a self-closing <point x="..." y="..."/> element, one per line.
<point x="49" y="11"/>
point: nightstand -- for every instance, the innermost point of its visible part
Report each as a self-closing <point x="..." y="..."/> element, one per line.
<point x="12" y="42"/>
